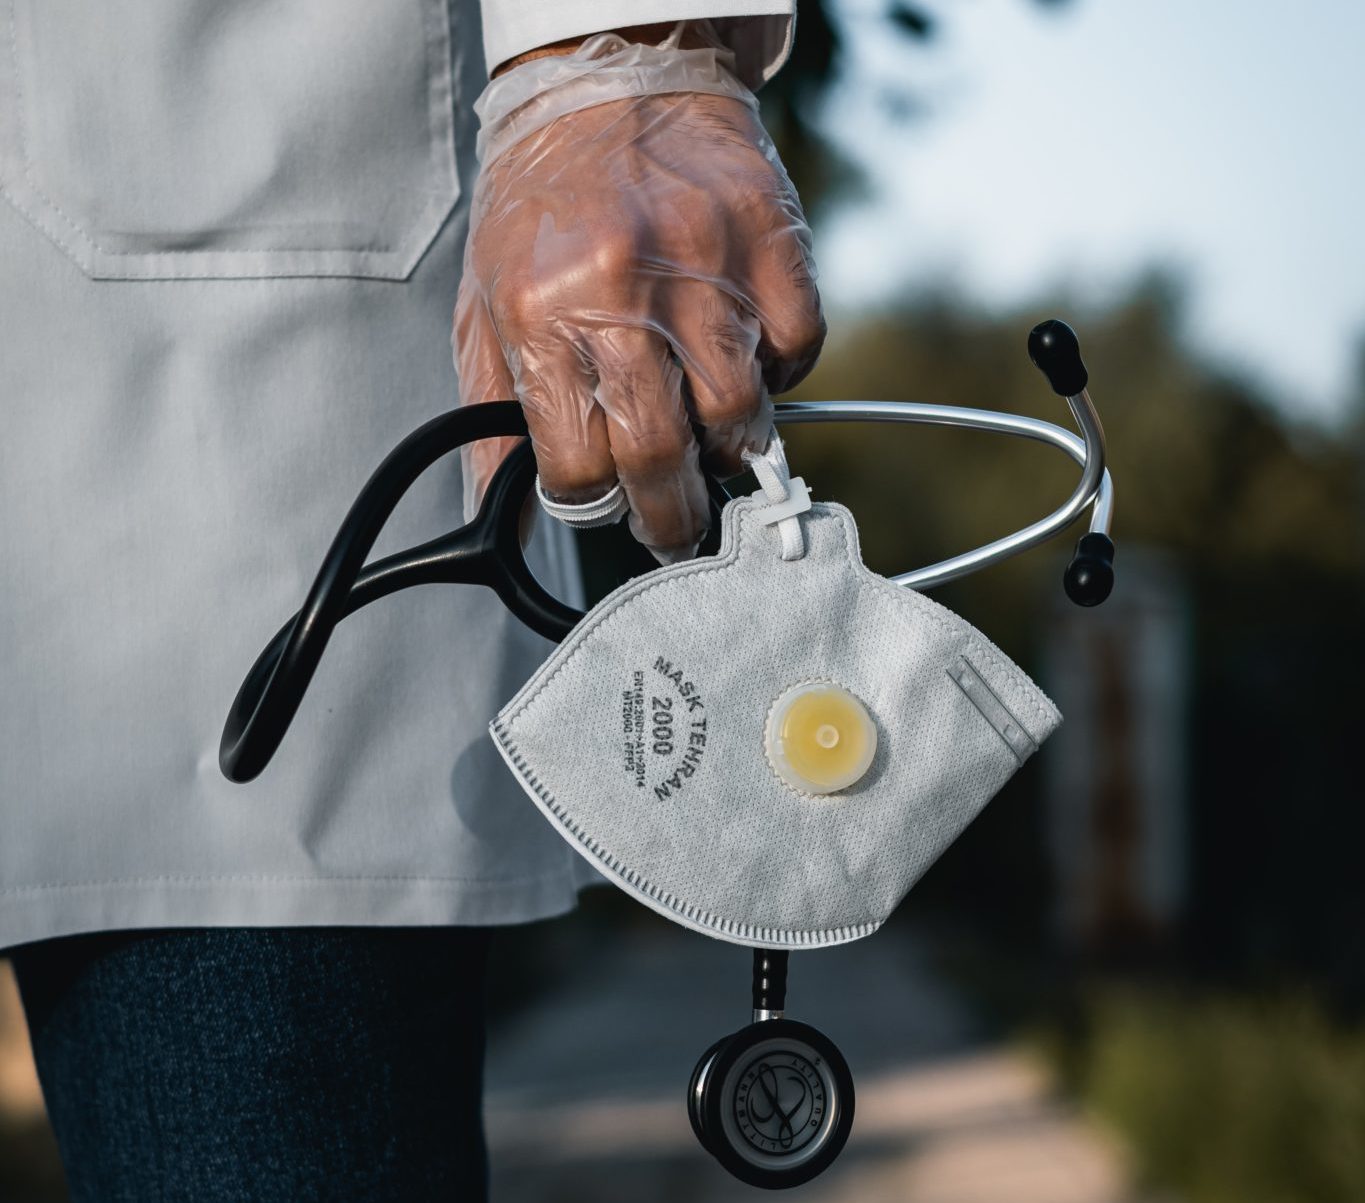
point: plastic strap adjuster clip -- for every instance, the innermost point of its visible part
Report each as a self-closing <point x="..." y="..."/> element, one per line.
<point x="788" y="496"/>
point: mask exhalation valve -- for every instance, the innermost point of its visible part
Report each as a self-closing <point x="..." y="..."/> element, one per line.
<point x="819" y="738"/>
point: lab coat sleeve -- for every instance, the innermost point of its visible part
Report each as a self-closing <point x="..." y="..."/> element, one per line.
<point x="758" y="31"/>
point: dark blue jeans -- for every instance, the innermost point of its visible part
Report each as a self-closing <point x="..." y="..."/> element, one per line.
<point x="263" y="1065"/>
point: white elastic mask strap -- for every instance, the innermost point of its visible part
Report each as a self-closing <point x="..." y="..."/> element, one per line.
<point x="788" y="496"/>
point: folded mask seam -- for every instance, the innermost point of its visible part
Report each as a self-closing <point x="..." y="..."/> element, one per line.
<point x="855" y="881"/>
<point x="662" y="899"/>
<point x="993" y="702"/>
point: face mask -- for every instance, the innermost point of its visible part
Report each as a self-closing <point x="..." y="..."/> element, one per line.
<point x="772" y="744"/>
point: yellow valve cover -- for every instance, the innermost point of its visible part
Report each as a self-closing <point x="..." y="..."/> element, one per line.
<point x="820" y="738"/>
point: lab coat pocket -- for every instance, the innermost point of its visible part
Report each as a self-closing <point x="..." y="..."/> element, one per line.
<point x="203" y="139"/>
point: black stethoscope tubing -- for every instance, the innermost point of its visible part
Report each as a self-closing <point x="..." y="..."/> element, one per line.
<point x="486" y="551"/>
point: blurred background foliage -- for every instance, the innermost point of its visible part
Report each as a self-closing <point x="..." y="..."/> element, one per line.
<point x="1235" y="1098"/>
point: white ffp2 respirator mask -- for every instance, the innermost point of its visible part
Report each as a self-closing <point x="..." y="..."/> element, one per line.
<point x="772" y="744"/>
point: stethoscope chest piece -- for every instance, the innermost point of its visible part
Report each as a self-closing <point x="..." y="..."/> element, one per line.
<point x="772" y="1102"/>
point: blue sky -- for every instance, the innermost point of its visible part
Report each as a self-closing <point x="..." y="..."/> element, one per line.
<point x="1225" y="139"/>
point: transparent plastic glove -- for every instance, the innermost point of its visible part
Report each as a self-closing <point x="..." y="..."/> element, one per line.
<point x="638" y="274"/>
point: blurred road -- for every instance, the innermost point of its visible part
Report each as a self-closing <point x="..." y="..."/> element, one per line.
<point x="585" y="1090"/>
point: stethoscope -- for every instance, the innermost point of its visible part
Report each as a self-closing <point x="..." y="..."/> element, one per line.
<point x="773" y="1101"/>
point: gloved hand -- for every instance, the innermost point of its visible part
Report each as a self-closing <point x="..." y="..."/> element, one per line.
<point x="638" y="273"/>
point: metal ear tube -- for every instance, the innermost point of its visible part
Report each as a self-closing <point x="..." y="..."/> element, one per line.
<point x="772" y="1102"/>
<point x="1055" y="351"/>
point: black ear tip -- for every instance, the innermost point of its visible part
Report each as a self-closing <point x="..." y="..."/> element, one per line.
<point x="1056" y="352"/>
<point x="1089" y="578"/>
<point x="1051" y="336"/>
<point x="1089" y="584"/>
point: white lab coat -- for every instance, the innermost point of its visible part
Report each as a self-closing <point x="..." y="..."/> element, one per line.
<point x="229" y="252"/>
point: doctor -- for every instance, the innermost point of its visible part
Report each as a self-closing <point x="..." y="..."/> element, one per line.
<point x="232" y="239"/>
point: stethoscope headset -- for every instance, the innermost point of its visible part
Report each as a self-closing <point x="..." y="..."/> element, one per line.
<point x="773" y="1101"/>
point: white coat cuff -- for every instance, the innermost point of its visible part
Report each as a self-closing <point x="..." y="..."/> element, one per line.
<point x="758" y="31"/>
